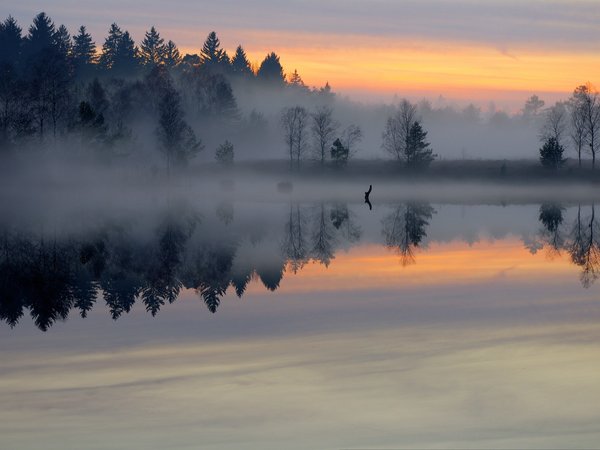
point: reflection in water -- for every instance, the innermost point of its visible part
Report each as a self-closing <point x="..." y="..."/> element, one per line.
<point x="50" y="274"/>
<point x="405" y="228"/>
<point x="581" y="242"/>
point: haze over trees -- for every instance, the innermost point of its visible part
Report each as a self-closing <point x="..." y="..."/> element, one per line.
<point x="404" y="137"/>
<point x="106" y="99"/>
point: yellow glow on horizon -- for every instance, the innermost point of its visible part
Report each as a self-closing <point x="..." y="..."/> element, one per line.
<point x="457" y="69"/>
<point x="454" y="263"/>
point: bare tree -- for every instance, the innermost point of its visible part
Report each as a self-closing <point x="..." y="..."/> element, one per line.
<point x="293" y="122"/>
<point x="351" y="136"/>
<point x="397" y="130"/>
<point x="555" y="123"/>
<point x="587" y="96"/>
<point x="323" y="128"/>
<point x="577" y="129"/>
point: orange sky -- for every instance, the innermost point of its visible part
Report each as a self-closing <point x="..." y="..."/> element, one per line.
<point x="455" y="70"/>
<point x="461" y="49"/>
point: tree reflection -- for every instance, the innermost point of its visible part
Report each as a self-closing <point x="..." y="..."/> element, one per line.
<point x="551" y="217"/>
<point x="405" y="228"/>
<point x="295" y="245"/>
<point x="47" y="275"/>
<point x="584" y="247"/>
<point x="582" y="242"/>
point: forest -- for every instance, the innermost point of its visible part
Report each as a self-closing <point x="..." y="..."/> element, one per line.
<point x="64" y="98"/>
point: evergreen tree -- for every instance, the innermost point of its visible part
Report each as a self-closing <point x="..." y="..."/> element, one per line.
<point x="96" y="97"/>
<point x="111" y="47"/>
<point x="63" y="42"/>
<point x="152" y="49"/>
<point x="224" y="154"/>
<point x="240" y="64"/>
<point x="176" y="138"/>
<point x="339" y="153"/>
<point x="41" y="36"/>
<point x="418" y="153"/>
<point x="126" y="58"/>
<point x="211" y="55"/>
<point x="271" y="71"/>
<point x="171" y="55"/>
<point x="11" y="42"/>
<point x="296" y="80"/>
<point x="551" y="154"/>
<point x="84" y="52"/>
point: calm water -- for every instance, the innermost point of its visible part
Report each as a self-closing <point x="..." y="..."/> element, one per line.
<point x="224" y="323"/>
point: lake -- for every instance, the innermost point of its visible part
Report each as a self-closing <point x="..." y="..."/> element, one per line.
<point x="238" y="320"/>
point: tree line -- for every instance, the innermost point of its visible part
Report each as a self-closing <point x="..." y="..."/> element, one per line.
<point x="99" y="99"/>
<point x="574" y="123"/>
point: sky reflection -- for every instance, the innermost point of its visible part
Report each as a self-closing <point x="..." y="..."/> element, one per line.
<point x="487" y="339"/>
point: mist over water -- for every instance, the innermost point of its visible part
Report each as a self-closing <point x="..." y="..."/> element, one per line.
<point x="201" y="252"/>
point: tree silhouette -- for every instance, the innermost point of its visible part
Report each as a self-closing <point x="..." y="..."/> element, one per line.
<point x="339" y="153"/>
<point x="152" y="48"/>
<point x="240" y="64"/>
<point x="323" y="129"/>
<point x="418" y="154"/>
<point x="396" y="136"/>
<point x="351" y="136"/>
<point x="172" y="57"/>
<point x="84" y="53"/>
<point x="212" y="56"/>
<point x="64" y="47"/>
<point x="119" y="53"/>
<point x="551" y="154"/>
<point x="177" y="139"/>
<point x="577" y="121"/>
<point x="271" y="71"/>
<point x="11" y="42"/>
<point x="110" y="48"/>
<point x="588" y="100"/>
<point x="293" y="122"/>
<point x="41" y="37"/>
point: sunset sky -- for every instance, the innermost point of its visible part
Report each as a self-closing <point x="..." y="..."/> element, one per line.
<point x="469" y="50"/>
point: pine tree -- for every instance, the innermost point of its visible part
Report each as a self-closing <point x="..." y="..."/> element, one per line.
<point x="62" y="40"/>
<point x="171" y="56"/>
<point x="176" y="138"/>
<point x="270" y="70"/>
<point x="418" y="153"/>
<point x="239" y="63"/>
<point x="296" y="80"/>
<point x="551" y="154"/>
<point x="152" y="49"/>
<point x="126" y="58"/>
<point x="224" y="154"/>
<point x="84" y="49"/>
<point x="41" y="36"/>
<point x="339" y="153"/>
<point x="110" y="47"/>
<point x="212" y="54"/>
<point x="11" y="41"/>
